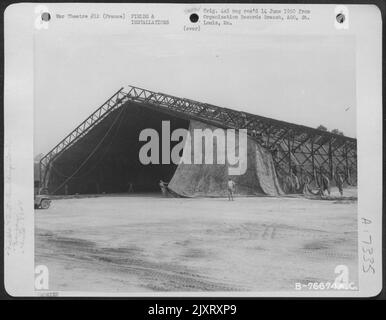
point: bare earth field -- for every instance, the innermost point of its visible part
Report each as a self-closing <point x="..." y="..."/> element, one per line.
<point x="139" y="244"/>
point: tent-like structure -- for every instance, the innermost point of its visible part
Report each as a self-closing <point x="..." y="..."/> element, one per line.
<point x="101" y="154"/>
<point x="210" y="179"/>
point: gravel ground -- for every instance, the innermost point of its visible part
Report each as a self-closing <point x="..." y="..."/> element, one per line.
<point x="141" y="244"/>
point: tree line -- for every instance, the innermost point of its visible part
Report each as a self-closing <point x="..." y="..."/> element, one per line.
<point x="335" y="131"/>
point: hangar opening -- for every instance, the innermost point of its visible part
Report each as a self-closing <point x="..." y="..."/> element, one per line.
<point x="106" y="159"/>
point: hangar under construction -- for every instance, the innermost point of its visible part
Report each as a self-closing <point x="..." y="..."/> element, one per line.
<point x="101" y="154"/>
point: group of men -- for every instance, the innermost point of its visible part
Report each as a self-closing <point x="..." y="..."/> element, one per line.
<point x="325" y="183"/>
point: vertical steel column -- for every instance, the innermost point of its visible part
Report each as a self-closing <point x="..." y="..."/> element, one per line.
<point x="330" y="163"/>
<point x="348" y="180"/>
<point x="314" y="173"/>
<point x="289" y="154"/>
<point x="348" y="171"/>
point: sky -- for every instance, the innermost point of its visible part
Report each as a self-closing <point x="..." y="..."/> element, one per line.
<point x="307" y="80"/>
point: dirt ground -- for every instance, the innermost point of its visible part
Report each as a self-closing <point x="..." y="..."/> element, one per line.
<point x="136" y="243"/>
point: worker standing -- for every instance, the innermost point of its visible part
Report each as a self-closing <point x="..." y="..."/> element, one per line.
<point x="163" y="186"/>
<point x="325" y="183"/>
<point x="339" y="182"/>
<point x="231" y="189"/>
<point x="130" y="187"/>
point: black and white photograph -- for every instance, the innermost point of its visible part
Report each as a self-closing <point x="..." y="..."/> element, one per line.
<point x="213" y="153"/>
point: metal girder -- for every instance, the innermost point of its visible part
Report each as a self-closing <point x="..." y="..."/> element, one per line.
<point x="303" y="140"/>
<point x="115" y="101"/>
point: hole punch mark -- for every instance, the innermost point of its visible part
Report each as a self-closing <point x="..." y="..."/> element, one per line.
<point x="340" y="17"/>
<point x="194" y="17"/>
<point x="46" y="16"/>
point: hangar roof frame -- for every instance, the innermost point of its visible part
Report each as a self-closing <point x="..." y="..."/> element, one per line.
<point x="270" y="131"/>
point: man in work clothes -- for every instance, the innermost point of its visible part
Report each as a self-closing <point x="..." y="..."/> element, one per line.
<point x="339" y="183"/>
<point x="163" y="186"/>
<point x="231" y="189"/>
<point x="325" y="183"/>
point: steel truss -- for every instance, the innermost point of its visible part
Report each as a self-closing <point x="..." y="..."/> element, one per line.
<point x="296" y="149"/>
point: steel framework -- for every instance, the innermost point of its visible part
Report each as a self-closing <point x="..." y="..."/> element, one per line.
<point x="296" y="149"/>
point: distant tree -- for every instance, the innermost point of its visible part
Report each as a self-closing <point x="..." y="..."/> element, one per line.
<point x="337" y="131"/>
<point x="322" y="127"/>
